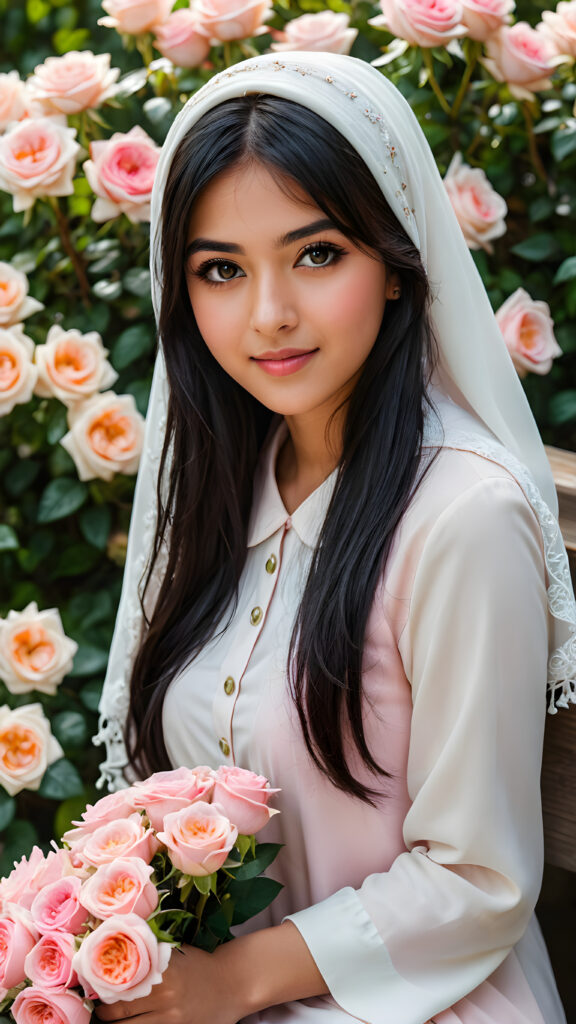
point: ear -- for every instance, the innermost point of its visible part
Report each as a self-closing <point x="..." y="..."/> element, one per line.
<point x="393" y="286"/>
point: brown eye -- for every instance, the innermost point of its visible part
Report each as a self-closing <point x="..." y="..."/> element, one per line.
<point x="319" y="255"/>
<point x="226" y="270"/>
<point x="220" y="271"/>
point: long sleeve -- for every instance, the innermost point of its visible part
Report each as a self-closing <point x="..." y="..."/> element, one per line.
<point x="415" y="939"/>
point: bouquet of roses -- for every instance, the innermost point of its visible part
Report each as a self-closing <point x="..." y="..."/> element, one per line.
<point x="169" y="860"/>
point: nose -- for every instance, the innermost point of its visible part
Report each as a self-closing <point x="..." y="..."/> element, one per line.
<point x="273" y="306"/>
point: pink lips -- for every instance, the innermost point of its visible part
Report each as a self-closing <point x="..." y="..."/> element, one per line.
<point x="284" y="361"/>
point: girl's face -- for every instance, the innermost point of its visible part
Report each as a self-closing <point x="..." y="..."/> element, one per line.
<point x="288" y="306"/>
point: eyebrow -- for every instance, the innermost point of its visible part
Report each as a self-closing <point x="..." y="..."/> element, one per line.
<point x="212" y="245"/>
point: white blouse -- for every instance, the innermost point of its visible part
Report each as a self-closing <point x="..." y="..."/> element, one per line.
<point x="419" y="908"/>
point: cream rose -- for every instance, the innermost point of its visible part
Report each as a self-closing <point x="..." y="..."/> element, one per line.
<point x="135" y="16"/>
<point x="72" y="366"/>
<point x="122" y="887"/>
<point x="33" y="1005"/>
<point x="522" y="57"/>
<point x="121" y="174"/>
<point x="528" y="330"/>
<point x="17" y="371"/>
<point x="326" y="31"/>
<point x="243" y="796"/>
<point x="12" y="98"/>
<point x="225" y="20"/>
<point x="76" y="81"/>
<point x="198" y="838"/>
<point x="560" y="27"/>
<point x="37" y="159"/>
<point x="122" y="959"/>
<point x="479" y="209"/>
<point x="179" y="40"/>
<point x="105" y="437"/>
<point x="484" y="17"/>
<point x="15" y="303"/>
<point x="35" y="653"/>
<point x="27" y="747"/>
<point x="422" y="22"/>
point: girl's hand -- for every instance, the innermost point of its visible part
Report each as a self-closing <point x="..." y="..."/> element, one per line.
<point x="194" y="990"/>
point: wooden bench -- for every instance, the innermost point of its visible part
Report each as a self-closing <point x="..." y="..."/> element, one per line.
<point x="559" y="764"/>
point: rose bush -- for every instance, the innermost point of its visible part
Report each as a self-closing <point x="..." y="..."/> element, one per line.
<point x="72" y="366"/>
<point x="480" y="211"/>
<point x="323" y="31"/>
<point x="528" y="331"/>
<point x="35" y="654"/>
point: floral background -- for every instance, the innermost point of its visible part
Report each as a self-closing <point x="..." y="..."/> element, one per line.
<point x="87" y="92"/>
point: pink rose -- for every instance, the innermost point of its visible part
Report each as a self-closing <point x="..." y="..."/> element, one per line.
<point x="17" y="887"/>
<point x="27" y="747"/>
<point x="122" y="959"/>
<point x="125" y="838"/>
<point x="198" y="839"/>
<point x="135" y="16"/>
<point x="109" y="808"/>
<point x="49" y="963"/>
<point x="178" y="39"/>
<point x="72" y="366"/>
<point x="105" y="437"/>
<point x="37" y="159"/>
<point x="12" y="98"/>
<point x="17" y="372"/>
<point x="243" y="797"/>
<point x="528" y="330"/>
<point x="422" y="22"/>
<point x="484" y="17"/>
<point x="57" y="907"/>
<point x="479" y="209"/>
<point x="35" y="653"/>
<point x="18" y="935"/>
<point x="522" y="57"/>
<point x="76" y="81"/>
<point x="121" y="173"/>
<point x="560" y="27"/>
<point x="15" y="303"/>
<point x="225" y="20"/>
<point x="121" y="887"/>
<point x="323" y="31"/>
<point x="37" y="1006"/>
<point x="165" y="792"/>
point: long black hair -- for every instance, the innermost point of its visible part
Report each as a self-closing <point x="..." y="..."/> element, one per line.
<point x="215" y="431"/>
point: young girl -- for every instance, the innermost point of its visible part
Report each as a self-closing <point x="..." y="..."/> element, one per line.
<point x="347" y="573"/>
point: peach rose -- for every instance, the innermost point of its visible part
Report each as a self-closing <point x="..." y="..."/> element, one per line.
<point x="57" y="907"/>
<point x="165" y="792"/>
<point x="479" y="209"/>
<point x="178" y="39"/>
<point x="125" y="838"/>
<point x="34" y="1005"/>
<point x="18" y="935"/>
<point x="421" y="22"/>
<point x="121" y="174"/>
<point x="105" y="437"/>
<point x="49" y="963"/>
<point x="224" y="20"/>
<point x="17" y="887"/>
<point x="522" y="57"/>
<point x="560" y="27"/>
<point x="15" y="303"/>
<point x="326" y="31"/>
<point x="122" y="959"/>
<point x="27" y="747"/>
<point x="72" y="366"/>
<point x="12" y="98"/>
<point x="484" y="17"/>
<point x="35" y="653"/>
<point x="135" y="16"/>
<point x="528" y="330"/>
<point x="17" y="371"/>
<point x="76" y="81"/>
<point x="198" y="838"/>
<point x="37" y="159"/>
<point x="121" y="887"/>
<point x="109" y="808"/>
<point x="243" y="797"/>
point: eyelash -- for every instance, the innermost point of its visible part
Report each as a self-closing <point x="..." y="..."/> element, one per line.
<point x="336" y="252"/>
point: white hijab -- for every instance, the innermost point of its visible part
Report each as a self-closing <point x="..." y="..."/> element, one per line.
<point x="474" y="367"/>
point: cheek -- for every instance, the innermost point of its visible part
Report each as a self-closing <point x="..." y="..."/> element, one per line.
<point x="215" y="319"/>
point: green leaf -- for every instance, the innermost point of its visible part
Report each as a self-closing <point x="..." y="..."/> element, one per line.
<point x="265" y="854"/>
<point x="202" y="883"/>
<point x="242" y="844"/>
<point x="566" y="271"/>
<point x="563" y="407"/>
<point x="20" y="476"/>
<point x="7" y="809"/>
<point x="90" y="694"/>
<point x="252" y="897"/>
<point x="76" y="560"/>
<point x="137" y="281"/>
<point x="61" y="498"/>
<point x="95" y="523"/>
<point x="157" y="109"/>
<point x="70" y="728"/>
<point x="563" y="142"/>
<point x="141" y="391"/>
<point x="134" y="342"/>
<point x="64" y="40"/>
<point x="108" y="291"/>
<point x="537" y="248"/>
<point x="57" y="423"/>
<point x="61" y="781"/>
<point x="89" y="661"/>
<point x="8" y="540"/>
<point x="19" y="838"/>
<point x="68" y="811"/>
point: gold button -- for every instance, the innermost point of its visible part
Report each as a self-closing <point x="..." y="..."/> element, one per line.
<point x="255" y="615"/>
<point x="271" y="564"/>
<point x="229" y="686"/>
<point x="224" y="747"/>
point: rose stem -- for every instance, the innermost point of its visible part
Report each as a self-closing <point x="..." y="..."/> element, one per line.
<point x="75" y="257"/>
